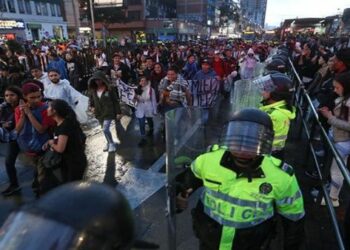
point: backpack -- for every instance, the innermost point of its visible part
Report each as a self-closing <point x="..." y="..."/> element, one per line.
<point x="30" y="140"/>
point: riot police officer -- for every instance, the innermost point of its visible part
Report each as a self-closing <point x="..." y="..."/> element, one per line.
<point x="77" y="215"/>
<point x="244" y="188"/>
<point x="277" y="92"/>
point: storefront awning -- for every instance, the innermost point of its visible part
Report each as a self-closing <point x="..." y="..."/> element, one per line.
<point x="34" y="25"/>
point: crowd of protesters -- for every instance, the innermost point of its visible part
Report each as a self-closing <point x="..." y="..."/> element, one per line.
<point x="42" y="84"/>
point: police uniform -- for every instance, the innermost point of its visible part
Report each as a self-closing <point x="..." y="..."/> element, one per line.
<point x="244" y="188"/>
<point x="281" y="118"/>
<point x="237" y="200"/>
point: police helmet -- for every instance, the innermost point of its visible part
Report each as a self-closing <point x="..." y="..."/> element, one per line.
<point x="281" y="57"/>
<point x="73" y="216"/>
<point x="249" y="131"/>
<point x="277" y="83"/>
<point x="276" y="65"/>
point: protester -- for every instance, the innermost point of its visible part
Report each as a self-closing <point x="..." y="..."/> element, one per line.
<point x="105" y="106"/>
<point x="146" y="108"/>
<point x="8" y="135"/>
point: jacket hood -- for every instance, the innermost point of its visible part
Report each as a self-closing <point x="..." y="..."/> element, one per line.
<point x="99" y="75"/>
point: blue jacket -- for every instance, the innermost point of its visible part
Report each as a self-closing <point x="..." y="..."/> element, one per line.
<point x="200" y="75"/>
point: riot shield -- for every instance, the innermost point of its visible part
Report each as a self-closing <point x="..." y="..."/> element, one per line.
<point x="244" y="95"/>
<point x="259" y="69"/>
<point x="189" y="132"/>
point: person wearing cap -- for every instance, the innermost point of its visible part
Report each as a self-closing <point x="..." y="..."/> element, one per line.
<point x="206" y="72"/>
<point x="245" y="189"/>
<point x="118" y="65"/>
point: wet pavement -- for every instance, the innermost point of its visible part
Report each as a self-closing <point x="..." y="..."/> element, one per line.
<point x="138" y="172"/>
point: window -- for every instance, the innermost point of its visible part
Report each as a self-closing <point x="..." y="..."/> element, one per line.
<point x="28" y="6"/>
<point x="44" y="9"/>
<point x="53" y="9"/>
<point x="21" y="6"/>
<point x="133" y="2"/>
<point x="58" y="7"/>
<point x="134" y="15"/>
<point x="38" y="8"/>
<point x="3" y="6"/>
<point x="11" y="5"/>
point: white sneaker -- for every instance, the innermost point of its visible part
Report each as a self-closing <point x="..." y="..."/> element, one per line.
<point x="105" y="149"/>
<point x="111" y="148"/>
<point x="335" y="202"/>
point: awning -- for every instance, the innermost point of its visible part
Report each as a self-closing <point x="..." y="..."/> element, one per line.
<point x="34" y="26"/>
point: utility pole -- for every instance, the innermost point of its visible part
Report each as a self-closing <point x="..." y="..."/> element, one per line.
<point x="93" y="22"/>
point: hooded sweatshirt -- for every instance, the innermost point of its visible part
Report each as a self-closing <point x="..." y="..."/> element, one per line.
<point x="107" y="105"/>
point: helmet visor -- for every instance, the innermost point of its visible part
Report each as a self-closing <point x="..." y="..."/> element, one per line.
<point x="24" y="230"/>
<point x="247" y="137"/>
<point x="265" y="83"/>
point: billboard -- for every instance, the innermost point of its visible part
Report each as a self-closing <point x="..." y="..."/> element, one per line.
<point x="108" y="3"/>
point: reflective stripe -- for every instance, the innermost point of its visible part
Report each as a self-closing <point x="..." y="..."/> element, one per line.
<point x="236" y="201"/>
<point x="289" y="200"/>
<point x="293" y="217"/>
<point x="227" y="236"/>
<point x="280" y="137"/>
<point x="236" y="224"/>
<point x="276" y="148"/>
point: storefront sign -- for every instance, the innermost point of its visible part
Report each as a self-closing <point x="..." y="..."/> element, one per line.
<point x="9" y="36"/>
<point x="11" y="24"/>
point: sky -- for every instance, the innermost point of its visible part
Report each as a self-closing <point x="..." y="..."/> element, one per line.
<point x="278" y="10"/>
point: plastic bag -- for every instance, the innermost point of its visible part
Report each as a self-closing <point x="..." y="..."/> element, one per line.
<point x="81" y="108"/>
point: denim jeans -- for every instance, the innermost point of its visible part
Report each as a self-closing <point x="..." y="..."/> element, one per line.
<point x="10" y="161"/>
<point x="106" y="127"/>
<point x="142" y="123"/>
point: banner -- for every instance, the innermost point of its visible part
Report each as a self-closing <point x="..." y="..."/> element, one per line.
<point x="127" y="94"/>
<point x="204" y="92"/>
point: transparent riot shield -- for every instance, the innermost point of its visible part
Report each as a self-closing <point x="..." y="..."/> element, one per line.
<point x="259" y="69"/>
<point x="244" y="95"/>
<point x="189" y="132"/>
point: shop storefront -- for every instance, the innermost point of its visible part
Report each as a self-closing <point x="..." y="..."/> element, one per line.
<point x="12" y="29"/>
<point x="35" y="30"/>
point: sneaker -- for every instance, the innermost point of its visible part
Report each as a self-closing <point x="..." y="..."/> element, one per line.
<point x="312" y="174"/>
<point x="334" y="202"/>
<point x="142" y="142"/>
<point x="11" y="190"/>
<point x="111" y="148"/>
<point x="105" y="149"/>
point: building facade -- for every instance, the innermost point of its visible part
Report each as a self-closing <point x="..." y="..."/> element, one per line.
<point x="32" y="20"/>
<point x="72" y="17"/>
<point x="254" y="11"/>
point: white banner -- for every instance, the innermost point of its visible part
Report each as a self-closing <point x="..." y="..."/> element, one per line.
<point x="127" y="94"/>
<point x="204" y="92"/>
